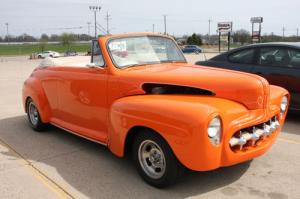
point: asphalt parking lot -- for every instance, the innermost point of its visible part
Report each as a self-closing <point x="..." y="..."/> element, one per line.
<point x="56" y="164"/>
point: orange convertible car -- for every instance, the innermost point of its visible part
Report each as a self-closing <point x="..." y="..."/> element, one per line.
<point x="137" y="94"/>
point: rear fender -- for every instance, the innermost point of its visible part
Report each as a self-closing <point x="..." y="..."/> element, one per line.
<point x="33" y="89"/>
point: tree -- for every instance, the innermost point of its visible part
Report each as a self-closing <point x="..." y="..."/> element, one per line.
<point x="44" y="37"/>
<point x="67" y="39"/>
<point x="42" y="44"/>
<point x="242" y="36"/>
<point x="85" y="37"/>
<point x="54" y="37"/>
<point x="194" y="40"/>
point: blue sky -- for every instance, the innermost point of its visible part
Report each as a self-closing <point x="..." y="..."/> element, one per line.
<point x="183" y="17"/>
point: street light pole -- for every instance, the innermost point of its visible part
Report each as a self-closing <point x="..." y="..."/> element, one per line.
<point x="209" y="21"/>
<point x="95" y="9"/>
<point x="283" y="30"/>
<point x="7" y="32"/>
<point x="89" y="30"/>
<point x="165" y="23"/>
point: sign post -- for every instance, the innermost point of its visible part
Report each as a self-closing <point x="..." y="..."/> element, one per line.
<point x="224" y="27"/>
<point x="256" y="34"/>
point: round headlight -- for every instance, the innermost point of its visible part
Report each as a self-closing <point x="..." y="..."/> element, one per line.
<point x="214" y="130"/>
<point x="284" y="104"/>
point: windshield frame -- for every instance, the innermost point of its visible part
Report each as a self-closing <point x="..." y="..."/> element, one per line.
<point x="136" y="36"/>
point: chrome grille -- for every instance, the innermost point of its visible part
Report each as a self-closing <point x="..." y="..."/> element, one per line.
<point x="250" y="136"/>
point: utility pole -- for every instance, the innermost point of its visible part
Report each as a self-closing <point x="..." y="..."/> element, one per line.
<point x="107" y="18"/>
<point x="297" y="33"/>
<point x="209" y="21"/>
<point x="283" y="30"/>
<point x="89" y="29"/>
<point x="95" y="9"/>
<point x="7" y="32"/>
<point x="153" y="28"/>
<point x="165" y="23"/>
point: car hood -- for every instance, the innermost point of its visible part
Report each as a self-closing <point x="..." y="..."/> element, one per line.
<point x="247" y="89"/>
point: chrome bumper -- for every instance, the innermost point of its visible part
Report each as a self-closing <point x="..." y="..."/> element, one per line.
<point x="252" y="134"/>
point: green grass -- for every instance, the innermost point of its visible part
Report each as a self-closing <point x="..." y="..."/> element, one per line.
<point x="27" y="49"/>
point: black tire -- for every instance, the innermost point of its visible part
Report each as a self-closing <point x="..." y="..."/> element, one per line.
<point x="39" y="57"/>
<point x="36" y="122"/>
<point x="173" y="168"/>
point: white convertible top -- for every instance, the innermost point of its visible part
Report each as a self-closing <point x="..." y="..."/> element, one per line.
<point x="74" y="61"/>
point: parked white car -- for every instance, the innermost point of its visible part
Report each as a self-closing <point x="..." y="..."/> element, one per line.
<point x="48" y="54"/>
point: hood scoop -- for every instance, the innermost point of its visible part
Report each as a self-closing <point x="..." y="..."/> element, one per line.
<point x="158" y="89"/>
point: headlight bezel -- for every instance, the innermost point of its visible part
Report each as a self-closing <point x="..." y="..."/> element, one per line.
<point x="214" y="130"/>
<point x="284" y="104"/>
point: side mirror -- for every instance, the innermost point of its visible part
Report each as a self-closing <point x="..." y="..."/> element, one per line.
<point x="91" y="65"/>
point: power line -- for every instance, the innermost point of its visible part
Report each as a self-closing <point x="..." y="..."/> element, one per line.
<point x="101" y="28"/>
<point x="107" y="18"/>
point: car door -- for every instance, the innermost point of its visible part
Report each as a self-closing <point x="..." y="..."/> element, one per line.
<point x="241" y="60"/>
<point x="272" y="65"/>
<point x="293" y="85"/>
<point x="82" y="97"/>
<point x="46" y="54"/>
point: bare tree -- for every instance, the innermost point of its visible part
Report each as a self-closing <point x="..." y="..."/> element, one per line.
<point x="67" y="39"/>
<point x="242" y="36"/>
<point x="42" y="44"/>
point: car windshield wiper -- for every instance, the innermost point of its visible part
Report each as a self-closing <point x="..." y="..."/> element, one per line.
<point x="141" y="64"/>
<point x="172" y="61"/>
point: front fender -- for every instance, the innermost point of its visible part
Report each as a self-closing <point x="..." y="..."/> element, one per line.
<point x="180" y="119"/>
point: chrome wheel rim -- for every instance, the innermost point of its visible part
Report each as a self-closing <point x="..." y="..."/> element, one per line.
<point x="33" y="113"/>
<point x="152" y="159"/>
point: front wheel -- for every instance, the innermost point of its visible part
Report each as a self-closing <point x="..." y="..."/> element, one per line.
<point x="155" y="160"/>
<point x="34" y="116"/>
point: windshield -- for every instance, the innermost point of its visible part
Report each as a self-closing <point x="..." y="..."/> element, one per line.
<point x="140" y="50"/>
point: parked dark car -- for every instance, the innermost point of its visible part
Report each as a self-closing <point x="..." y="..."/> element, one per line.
<point x="191" y="49"/>
<point x="70" y="53"/>
<point x="279" y="63"/>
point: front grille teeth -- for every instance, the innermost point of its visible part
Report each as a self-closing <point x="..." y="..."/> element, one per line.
<point x="252" y="134"/>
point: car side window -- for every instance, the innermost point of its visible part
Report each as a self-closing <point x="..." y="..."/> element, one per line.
<point x="294" y="61"/>
<point x="245" y="56"/>
<point x="97" y="57"/>
<point x="274" y="56"/>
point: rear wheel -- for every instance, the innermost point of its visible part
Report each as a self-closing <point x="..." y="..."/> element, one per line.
<point x="155" y="160"/>
<point x="34" y="116"/>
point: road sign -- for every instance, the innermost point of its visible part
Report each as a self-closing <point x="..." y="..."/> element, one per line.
<point x="256" y="19"/>
<point x="225" y="26"/>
